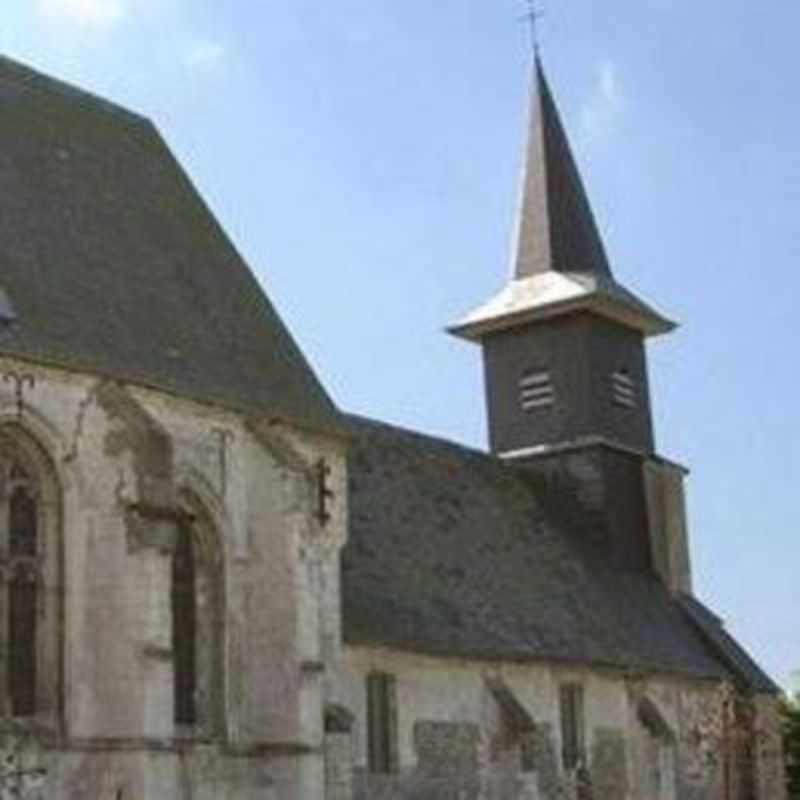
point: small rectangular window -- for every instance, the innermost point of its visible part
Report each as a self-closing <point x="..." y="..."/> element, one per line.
<point x="536" y="390"/>
<point x="623" y="389"/>
<point x="381" y="723"/>
<point x="572" y="725"/>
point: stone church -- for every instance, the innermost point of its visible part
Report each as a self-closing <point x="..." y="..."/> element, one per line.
<point x="216" y="584"/>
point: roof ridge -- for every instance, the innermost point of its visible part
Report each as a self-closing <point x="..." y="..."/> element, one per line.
<point x="440" y="440"/>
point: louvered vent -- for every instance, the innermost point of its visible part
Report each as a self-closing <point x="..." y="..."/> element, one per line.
<point x="8" y="314"/>
<point x="623" y="389"/>
<point x="536" y="390"/>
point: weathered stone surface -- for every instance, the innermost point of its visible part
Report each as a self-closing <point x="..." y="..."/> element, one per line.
<point x="770" y="778"/>
<point x="130" y="464"/>
<point x="451" y="727"/>
<point x="609" y="765"/>
<point x="338" y="766"/>
<point x="547" y="763"/>
<point x="118" y="450"/>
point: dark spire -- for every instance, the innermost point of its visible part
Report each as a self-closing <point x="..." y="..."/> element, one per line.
<point x="556" y="229"/>
<point x="559" y="263"/>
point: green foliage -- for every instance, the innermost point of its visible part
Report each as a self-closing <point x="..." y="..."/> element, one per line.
<point x="790" y="720"/>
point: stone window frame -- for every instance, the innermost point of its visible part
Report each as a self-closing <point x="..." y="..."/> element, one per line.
<point x="22" y="453"/>
<point x="209" y="628"/>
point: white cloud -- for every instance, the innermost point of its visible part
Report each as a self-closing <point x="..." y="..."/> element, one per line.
<point x="204" y="54"/>
<point x="90" y="13"/>
<point x="603" y="107"/>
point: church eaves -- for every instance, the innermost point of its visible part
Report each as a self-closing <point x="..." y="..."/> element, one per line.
<point x="559" y="263"/>
<point x="115" y="266"/>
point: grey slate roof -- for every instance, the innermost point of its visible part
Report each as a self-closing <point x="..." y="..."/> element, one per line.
<point x="453" y="552"/>
<point x="115" y="266"/>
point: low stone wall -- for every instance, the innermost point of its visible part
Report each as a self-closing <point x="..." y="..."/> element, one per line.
<point x="643" y="739"/>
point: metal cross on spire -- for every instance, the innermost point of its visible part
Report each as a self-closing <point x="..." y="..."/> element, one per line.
<point x="532" y="17"/>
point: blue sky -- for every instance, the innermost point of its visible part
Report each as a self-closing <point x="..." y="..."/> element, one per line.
<point x="363" y="154"/>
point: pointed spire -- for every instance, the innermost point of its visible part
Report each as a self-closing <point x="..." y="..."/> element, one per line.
<point x="559" y="263"/>
<point x="556" y="229"/>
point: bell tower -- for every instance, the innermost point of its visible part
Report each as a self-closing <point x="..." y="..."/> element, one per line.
<point x="564" y="351"/>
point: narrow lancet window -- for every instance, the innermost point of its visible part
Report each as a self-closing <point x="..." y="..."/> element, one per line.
<point x="196" y="600"/>
<point x="31" y="584"/>
<point x="22" y="596"/>
<point x="184" y="626"/>
<point x="381" y="723"/>
<point x="22" y="644"/>
<point x="572" y="725"/>
<point x="22" y="523"/>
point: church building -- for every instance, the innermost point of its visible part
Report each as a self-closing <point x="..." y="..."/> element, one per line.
<point x="215" y="584"/>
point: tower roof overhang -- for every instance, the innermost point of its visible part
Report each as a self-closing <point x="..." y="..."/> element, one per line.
<point x="550" y="294"/>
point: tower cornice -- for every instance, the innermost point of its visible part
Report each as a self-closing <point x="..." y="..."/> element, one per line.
<point x="547" y="295"/>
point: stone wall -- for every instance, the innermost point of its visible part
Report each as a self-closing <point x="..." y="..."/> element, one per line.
<point x="646" y="738"/>
<point x="769" y="757"/>
<point x="129" y="463"/>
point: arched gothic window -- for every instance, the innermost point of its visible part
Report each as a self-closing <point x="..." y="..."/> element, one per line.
<point x="197" y="623"/>
<point x="30" y="580"/>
